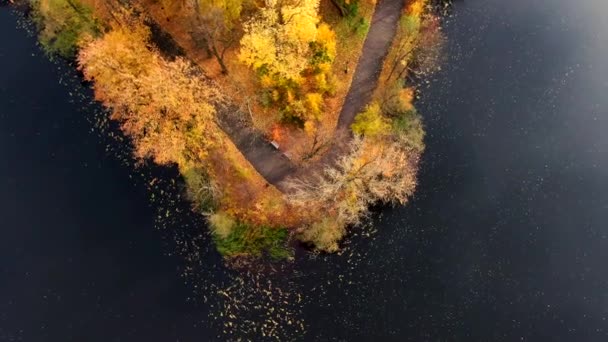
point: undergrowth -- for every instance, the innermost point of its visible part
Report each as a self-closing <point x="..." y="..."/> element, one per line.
<point x="233" y="238"/>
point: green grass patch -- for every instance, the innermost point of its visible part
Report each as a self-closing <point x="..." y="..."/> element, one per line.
<point x="360" y="27"/>
<point x="233" y="238"/>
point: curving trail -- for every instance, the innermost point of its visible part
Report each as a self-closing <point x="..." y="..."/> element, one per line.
<point x="377" y="44"/>
<point x="271" y="163"/>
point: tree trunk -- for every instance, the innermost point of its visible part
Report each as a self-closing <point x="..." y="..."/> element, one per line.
<point x="220" y="60"/>
<point x="339" y="7"/>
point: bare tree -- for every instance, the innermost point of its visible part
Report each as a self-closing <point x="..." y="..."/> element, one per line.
<point x="372" y="172"/>
<point x="210" y="30"/>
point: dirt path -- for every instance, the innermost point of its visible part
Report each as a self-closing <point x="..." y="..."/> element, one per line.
<point x="270" y="162"/>
<point x="377" y="44"/>
<point x="379" y="38"/>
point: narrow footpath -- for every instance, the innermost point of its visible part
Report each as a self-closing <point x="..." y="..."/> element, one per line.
<point x="271" y="163"/>
<point x="377" y="44"/>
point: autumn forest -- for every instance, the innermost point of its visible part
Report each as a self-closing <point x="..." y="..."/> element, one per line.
<point x="287" y="119"/>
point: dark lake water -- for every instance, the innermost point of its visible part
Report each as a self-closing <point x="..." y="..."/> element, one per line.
<point x="506" y="239"/>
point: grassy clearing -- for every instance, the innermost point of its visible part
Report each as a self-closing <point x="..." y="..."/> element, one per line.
<point x="233" y="238"/>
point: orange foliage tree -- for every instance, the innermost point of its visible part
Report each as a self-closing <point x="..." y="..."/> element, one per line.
<point x="163" y="106"/>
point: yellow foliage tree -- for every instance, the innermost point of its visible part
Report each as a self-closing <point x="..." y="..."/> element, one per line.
<point x="163" y="106"/>
<point x="231" y="9"/>
<point x="293" y="53"/>
<point x="314" y="104"/>
<point x="327" y="38"/>
<point x="371" y="122"/>
<point x="279" y="37"/>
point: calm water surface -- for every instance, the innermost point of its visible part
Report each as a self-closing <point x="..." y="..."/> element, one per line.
<point x="506" y="239"/>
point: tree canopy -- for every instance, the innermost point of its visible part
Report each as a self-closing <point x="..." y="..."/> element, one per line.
<point x="163" y="106"/>
<point x="279" y="38"/>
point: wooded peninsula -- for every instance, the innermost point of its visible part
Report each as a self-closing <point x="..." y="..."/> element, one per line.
<point x="287" y="119"/>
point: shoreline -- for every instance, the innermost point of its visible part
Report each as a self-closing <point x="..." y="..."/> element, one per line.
<point x="337" y="160"/>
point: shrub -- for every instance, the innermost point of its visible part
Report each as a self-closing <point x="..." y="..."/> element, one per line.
<point x="199" y="189"/>
<point x="361" y="27"/>
<point x="324" y="235"/>
<point x="371" y="122"/>
<point x="409" y="129"/>
<point x="294" y="113"/>
<point x="326" y="38"/>
<point x="397" y="100"/>
<point x="265" y="98"/>
<point x="320" y="54"/>
<point x="247" y="240"/>
<point x="406" y="121"/>
<point x="221" y="224"/>
<point x="349" y="8"/>
<point x="325" y="84"/>
<point x="314" y="105"/>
